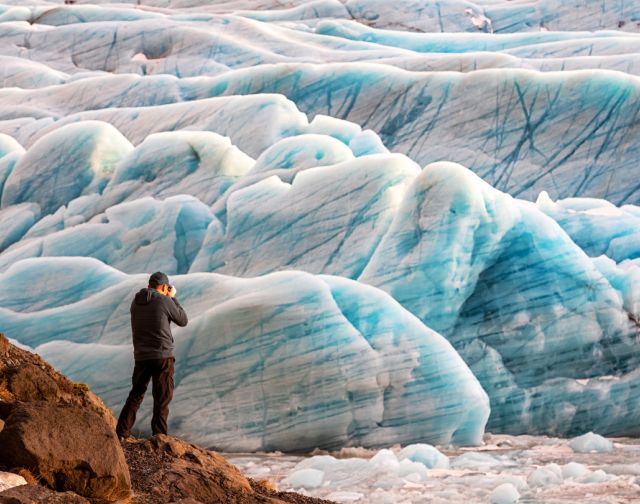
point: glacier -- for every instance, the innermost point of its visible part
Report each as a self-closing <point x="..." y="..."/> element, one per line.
<point x="287" y="361"/>
<point x="389" y="224"/>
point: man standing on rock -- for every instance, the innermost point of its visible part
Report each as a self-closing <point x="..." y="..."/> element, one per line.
<point x="152" y="311"/>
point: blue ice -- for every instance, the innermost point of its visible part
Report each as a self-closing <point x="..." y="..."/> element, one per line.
<point x="289" y="361"/>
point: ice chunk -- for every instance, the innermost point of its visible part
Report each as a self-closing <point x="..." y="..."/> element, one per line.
<point x="494" y="244"/>
<point x="305" y="478"/>
<point x="385" y="459"/>
<point x="425" y="454"/>
<point x="574" y="470"/>
<point x="597" y="476"/>
<point x="505" y="494"/>
<point x="345" y="497"/>
<point x="476" y="460"/>
<point x="590" y="442"/>
<point x="551" y="474"/>
<point x="413" y="471"/>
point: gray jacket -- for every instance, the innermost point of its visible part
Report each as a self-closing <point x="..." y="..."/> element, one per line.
<point x="151" y="317"/>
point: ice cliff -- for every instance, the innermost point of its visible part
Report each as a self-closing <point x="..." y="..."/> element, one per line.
<point x="384" y="232"/>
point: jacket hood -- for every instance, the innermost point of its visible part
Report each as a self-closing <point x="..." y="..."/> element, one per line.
<point x="144" y="296"/>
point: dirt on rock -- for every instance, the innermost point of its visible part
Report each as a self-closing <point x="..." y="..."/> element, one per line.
<point x="167" y="470"/>
<point x="32" y="494"/>
<point x="26" y="377"/>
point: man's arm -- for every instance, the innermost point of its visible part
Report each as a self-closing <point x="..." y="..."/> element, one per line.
<point x="176" y="312"/>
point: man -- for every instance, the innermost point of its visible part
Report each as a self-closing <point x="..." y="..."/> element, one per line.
<point x="152" y="311"/>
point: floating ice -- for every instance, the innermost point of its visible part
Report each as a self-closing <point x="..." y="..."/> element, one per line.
<point x="505" y="494"/>
<point x="384" y="470"/>
<point x="519" y="456"/>
<point x="305" y="478"/>
<point x="574" y="470"/>
<point x="591" y="442"/>
<point x="476" y="460"/>
<point x="425" y="454"/>
<point x="597" y="476"/>
<point x="345" y="497"/>
<point x="550" y="474"/>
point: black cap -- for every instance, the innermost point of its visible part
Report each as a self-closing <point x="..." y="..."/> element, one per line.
<point x="159" y="278"/>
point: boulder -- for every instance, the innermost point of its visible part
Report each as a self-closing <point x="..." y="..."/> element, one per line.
<point x="165" y="470"/>
<point x="34" y="494"/>
<point x="70" y="447"/>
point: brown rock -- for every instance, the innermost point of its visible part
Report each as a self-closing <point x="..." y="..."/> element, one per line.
<point x="69" y="447"/>
<point x="32" y="494"/>
<point x="25" y="376"/>
<point x="5" y="409"/>
<point x="4" y="344"/>
<point x="30" y="383"/>
<point x="28" y="477"/>
<point x="167" y="470"/>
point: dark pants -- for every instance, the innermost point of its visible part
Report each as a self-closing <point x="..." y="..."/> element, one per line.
<point x="161" y="372"/>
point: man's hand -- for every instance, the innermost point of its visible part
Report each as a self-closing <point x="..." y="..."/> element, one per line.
<point x="171" y="291"/>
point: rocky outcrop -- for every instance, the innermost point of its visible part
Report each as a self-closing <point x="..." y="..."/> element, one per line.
<point x="35" y="494"/>
<point x="57" y="430"/>
<point x="165" y="469"/>
<point x="26" y="377"/>
<point x="69" y="447"/>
